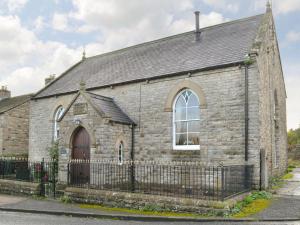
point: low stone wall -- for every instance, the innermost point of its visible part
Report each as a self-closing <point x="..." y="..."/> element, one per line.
<point x="138" y="201"/>
<point x="19" y="187"/>
<point x="295" y="154"/>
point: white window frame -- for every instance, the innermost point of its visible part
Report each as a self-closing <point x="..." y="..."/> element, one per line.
<point x="183" y="147"/>
<point x="57" y="115"/>
<point x="121" y="147"/>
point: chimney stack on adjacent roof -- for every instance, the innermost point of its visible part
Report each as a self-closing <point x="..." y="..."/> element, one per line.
<point x="197" y="30"/>
<point x="49" y="79"/>
<point x="4" y="93"/>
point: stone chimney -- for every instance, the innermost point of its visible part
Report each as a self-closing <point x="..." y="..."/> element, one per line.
<point x="197" y="25"/>
<point x="4" y="93"/>
<point x="49" y="79"/>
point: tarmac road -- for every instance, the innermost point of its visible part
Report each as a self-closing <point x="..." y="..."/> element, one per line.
<point x="13" y="218"/>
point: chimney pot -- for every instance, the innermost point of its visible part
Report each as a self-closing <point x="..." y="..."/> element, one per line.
<point x="49" y="79"/>
<point x="197" y="24"/>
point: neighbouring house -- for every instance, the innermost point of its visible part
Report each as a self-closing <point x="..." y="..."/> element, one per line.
<point x="14" y="123"/>
<point x="214" y="95"/>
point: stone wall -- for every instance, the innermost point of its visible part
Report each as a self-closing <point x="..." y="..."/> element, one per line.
<point x="41" y="127"/>
<point x="19" y="187"/>
<point x="222" y="120"/>
<point x="139" y="201"/>
<point x="272" y="100"/>
<point x="15" y="131"/>
<point x="104" y="135"/>
<point x="295" y="153"/>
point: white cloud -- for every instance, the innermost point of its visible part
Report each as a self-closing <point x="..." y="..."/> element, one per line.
<point x="292" y="72"/>
<point x="25" y="60"/>
<point x="226" y="5"/>
<point x="293" y="36"/>
<point x="211" y="19"/>
<point x="39" y="23"/>
<point x="15" y="41"/>
<point x="15" y="5"/>
<point x="60" y="22"/>
<point x="126" y="23"/>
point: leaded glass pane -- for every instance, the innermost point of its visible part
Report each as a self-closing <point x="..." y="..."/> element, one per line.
<point x="120" y="153"/>
<point x="59" y="113"/>
<point x="180" y="114"/>
<point x="193" y="101"/>
<point x="180" y="102"/>
<point x="193" y="139"/>
<point x="181" y="127"/>
<point x="194" y="126"/>
<point x="181" y="139"/>
<point x="193" y="113"/>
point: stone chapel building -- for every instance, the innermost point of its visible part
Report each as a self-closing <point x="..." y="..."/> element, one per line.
<point x="214" y="95"/>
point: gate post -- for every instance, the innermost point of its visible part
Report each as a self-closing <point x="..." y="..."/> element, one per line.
<point x="223" y="183"/>
<point x="132" y="176"/>
<point x="68" y="174"/>
<point x="42" y="189"/>
<point x="54" y="171"/>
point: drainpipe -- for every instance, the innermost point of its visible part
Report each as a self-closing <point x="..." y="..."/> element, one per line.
<point x="246" y="111"/>
<point x="132" y="172"/>
<point x="132" y="143"/>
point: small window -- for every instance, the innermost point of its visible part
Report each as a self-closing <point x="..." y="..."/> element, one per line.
<point x="276" y="131"/>
<point x="58" y="114"/>
<point x="186" y="121"/>
<point x="120" y="153"/>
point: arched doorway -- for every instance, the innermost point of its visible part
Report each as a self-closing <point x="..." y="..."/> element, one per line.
<point x="80" y="151"/>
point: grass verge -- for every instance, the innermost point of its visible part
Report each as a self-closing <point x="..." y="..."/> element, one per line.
<point x="287" y="176"/>
<point x="149" y="210"/>
<point x="252" y="204"/>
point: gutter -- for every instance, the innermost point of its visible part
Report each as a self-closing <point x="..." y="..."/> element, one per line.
<point x="221" y="66"/>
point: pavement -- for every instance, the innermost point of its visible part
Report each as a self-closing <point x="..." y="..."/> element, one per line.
<point x="14" y="218"/>
<point x="286" y="203"/>
<point x="285" y="207"/>
<point x="292" y="186"/>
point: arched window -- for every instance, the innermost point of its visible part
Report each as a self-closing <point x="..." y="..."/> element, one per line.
<point x="276" y="131"/>
<point x="58" y="113"/>
<point x="120" y="153"/>
<point x="186" y="121"/>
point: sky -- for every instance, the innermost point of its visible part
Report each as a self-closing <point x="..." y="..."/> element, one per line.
<point x="43" y="37"/>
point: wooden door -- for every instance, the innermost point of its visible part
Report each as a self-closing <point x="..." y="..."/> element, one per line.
<point x="81" y="150"/>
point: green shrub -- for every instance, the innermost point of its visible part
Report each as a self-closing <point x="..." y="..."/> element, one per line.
<point x="152" y="208"/>
<point x="250" y="199"/>
<point x="65" y="199"/>
<point x="54" y="151"/>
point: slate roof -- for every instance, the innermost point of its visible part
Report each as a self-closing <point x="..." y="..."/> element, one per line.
<point x="220" y="45"/>
<point x="109" y="108"/>
<point x="10" y="103"/>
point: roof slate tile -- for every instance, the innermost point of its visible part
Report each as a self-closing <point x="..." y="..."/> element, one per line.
<point x="219" y="45"/>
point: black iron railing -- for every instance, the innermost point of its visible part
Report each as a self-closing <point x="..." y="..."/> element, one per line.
<point x="177" y="179"/>
<point x="21" y="169"/>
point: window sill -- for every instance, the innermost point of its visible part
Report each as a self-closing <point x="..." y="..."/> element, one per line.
<point x="186" y="148"/>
